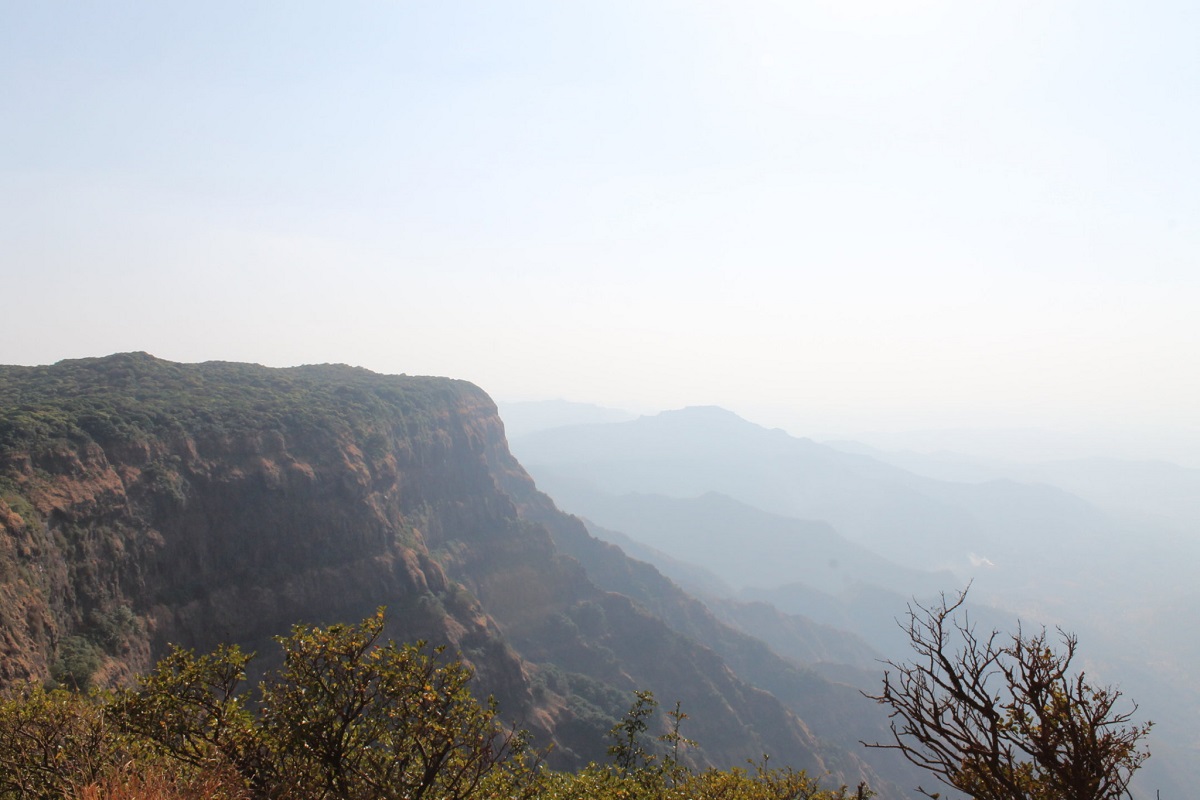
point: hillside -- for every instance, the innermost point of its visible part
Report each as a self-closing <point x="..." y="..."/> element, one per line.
<point x="844" y="539"/>
<point x="981" y="531"/>
<point x="144" y="502"/>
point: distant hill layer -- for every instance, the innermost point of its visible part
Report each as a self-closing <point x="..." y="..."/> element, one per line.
<point x="732" y="508"/>
<point x="983" y="531"/>
<point x="523" y="417"/>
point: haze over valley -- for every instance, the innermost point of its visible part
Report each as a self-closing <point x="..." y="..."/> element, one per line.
<point x="843" y="536"/>
<point x="617" y="346"/>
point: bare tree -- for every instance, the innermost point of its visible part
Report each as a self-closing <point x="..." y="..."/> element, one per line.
<point x="1001" y="717"/>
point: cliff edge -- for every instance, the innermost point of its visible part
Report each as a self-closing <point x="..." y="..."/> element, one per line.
<point x="145" y="502"/>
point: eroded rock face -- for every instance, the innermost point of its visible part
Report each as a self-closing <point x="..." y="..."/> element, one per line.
<point x="226" y="503"/>
<point x="144" y="503"/>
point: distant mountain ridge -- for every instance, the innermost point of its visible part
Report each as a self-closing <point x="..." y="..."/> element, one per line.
<point x="730" y="539"/>
<point x="1149" y="489"/>
<point x="522" y="417"/>
<point x="979" y="531"/>
<point x="1031" y="549"/>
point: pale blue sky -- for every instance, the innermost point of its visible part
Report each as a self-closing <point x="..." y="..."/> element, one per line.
<point x="829" y="215"/>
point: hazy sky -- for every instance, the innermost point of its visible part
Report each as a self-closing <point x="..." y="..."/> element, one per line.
<point x="838" y="214"/>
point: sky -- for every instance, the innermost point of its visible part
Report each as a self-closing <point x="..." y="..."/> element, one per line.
<point x="833" y="215"/>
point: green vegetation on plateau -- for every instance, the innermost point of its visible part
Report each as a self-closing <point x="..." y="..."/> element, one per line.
<point x="134" y="396"/>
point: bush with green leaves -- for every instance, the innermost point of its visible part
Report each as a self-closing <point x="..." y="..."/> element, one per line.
<point x="656" y="770"/>
<point x="77" y="661"/>
<point x="53" y="742"/>
<point x="345" y="716"/>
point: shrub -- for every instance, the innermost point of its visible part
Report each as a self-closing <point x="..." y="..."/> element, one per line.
<point x="53" y="742"/>
<point x="344" y="717"/>
<point x="78" y="660"/>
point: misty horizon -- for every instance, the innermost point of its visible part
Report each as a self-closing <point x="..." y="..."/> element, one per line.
<point x="935" y="262"/>
<point x="1001" y="444"/>
<point x="831" y="217"/>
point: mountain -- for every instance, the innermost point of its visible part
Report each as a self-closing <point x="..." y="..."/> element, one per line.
<point x="1158" y="492"/>
<point x="730" y="539"/>
<point x="1148" y="489"/>
<point x="694" y="579"/>
<point x="821" y="682"/>
<point x="689" y="452"/>
<point x="144" y="502"/>
<point x="982" y="532"/>
<point x="523" y="417"/>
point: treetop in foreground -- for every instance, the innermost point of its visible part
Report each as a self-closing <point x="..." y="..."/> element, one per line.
<point x="1004" y="717"/>
<point x="346" y="716"/>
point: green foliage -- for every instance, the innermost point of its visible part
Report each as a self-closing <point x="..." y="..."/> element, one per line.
<point x="674" y="741"/>
<point x="77" y="661"/>
<point x="53" y="743"/>
<point x="756" y="783"/>
<point x="639" y="774"/>
<point x="134" y="397"/>
<point x="18" y="503"/>
<point x="111" y="628"/>
<point x="162" y="475"/>
<point x="627" y="751"/>
<point x="188" y="710"/>
<point x="345" y="716"/>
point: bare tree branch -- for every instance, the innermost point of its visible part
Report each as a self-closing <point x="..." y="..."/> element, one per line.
<point x="1002" y="717"/>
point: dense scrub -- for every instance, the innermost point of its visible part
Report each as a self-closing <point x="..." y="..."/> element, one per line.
<point x="134" y="396"/>
<point x="345" y="716"/>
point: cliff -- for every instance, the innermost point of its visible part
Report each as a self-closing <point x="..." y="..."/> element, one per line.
<point x="144" y="502"/>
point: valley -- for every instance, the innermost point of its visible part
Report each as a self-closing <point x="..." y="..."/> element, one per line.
<point x="752" y="577"/>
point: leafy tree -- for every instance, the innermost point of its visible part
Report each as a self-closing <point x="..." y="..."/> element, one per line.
<point x="1003" y="717"/>
<point x="638" y="774"/>
<point x="189" y="710"/>
<point x="628" y="753"/>
<point x="673" y="767"/>
<point x="349" y="718"/>
<point x="631" y="757"/>
<point x="344" y="717"/>
<point x="76" y="663"/>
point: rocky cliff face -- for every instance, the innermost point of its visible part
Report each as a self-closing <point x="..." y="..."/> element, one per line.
<point x="144" y="503"/>
<point x="217" y="505"/>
